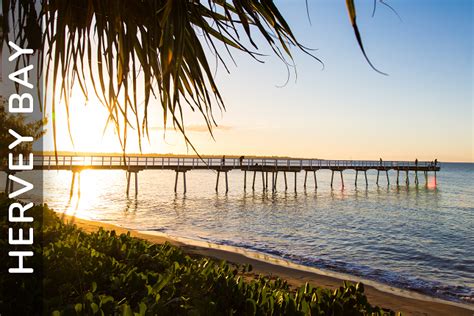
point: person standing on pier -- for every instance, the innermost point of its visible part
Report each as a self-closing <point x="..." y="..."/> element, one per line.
<point x="241" y="160"/>
<point x="223" y="161"/>
<point x="416" y="162"/>
<point x="380" y="161"/>
<point x="435" y="162"/>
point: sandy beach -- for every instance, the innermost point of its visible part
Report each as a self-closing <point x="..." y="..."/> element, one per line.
<point x="407" y="302"/>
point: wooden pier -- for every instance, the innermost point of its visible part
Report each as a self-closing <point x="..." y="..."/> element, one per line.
<point x="132" y="165"/>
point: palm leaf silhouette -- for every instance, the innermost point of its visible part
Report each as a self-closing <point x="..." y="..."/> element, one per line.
<point x="154" y="48"/>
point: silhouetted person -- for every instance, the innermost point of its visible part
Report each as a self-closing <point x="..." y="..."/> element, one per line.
<point x="380" y="161"/>
<point x="223" y="161"/>
<point x="241" y="160"/>
<point x="436" y="162"/>
<point x="416" y="162"/>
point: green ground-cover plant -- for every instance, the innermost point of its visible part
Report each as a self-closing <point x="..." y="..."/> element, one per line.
<point x="103" y="273"/>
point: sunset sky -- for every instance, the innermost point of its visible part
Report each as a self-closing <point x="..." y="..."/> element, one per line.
<point x="423" y="109"/>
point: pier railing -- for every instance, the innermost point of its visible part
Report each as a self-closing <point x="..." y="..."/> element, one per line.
<point x="51" y="162"/>
<point x="265" y="166"/>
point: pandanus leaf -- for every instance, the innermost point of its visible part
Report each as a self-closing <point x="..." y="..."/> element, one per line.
<point x="352" y="16"/>
<point x="157" y="45"/>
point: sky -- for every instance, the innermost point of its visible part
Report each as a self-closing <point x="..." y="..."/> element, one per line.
<point x="345" y="110"/>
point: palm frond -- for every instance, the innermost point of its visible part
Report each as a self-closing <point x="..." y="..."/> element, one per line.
<point x="154" y="48"/>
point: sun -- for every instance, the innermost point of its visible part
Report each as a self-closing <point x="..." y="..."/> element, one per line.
<point x="83" y="129"/>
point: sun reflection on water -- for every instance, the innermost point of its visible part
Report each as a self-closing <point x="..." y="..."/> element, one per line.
<point x="84" y="194"/>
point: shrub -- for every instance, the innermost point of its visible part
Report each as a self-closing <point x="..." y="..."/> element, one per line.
<point x="103" y="273"/>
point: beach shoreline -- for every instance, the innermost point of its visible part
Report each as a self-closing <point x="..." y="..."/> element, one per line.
<point x="405" y="301"/>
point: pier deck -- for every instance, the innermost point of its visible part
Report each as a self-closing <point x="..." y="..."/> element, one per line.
<point x="251" y="164"/>
<point x="265" y="166"/>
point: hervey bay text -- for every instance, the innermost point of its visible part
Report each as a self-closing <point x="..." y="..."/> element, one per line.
<point x="17" y="213"/>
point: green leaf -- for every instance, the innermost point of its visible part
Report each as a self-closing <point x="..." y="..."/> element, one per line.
<point x="94" y="307"/>
<point x="106" y="299"/>
<point x="78" y="308"/>
<point x="142" y="308"/>
<point x="250" y="306"/>
<point x="89" y="296"/>
<point x="127" y="310"/>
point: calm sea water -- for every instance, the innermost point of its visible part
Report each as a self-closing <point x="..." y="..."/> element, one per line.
<point x="419" y="238"/>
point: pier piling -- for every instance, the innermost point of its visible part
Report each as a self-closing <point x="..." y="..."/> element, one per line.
<point x="286" y="182"/>
<point x="136" y="184"/>
<point x="266" y="181"/>
<point x="315" y="180"/>
<point x="73" y="181"/>
<point x="79" y="184"/>
<point x="226" y="183"/>
<point x="245" y="180"/>
<point x="273" y="181"/>
<point x="253" y="182"/>
<point x="175" y="183"/>
<point x="295" y="181"/>
<point x="217" y="181"/>
<point x="128" y="174"/>
<point x="71" y="192"/>
<point x="276" y="178"/>
<point x="184" y="181"/>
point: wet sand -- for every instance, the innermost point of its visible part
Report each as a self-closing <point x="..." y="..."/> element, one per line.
<point x="407" y="302"/>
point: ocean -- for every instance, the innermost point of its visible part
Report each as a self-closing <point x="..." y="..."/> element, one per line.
<point x="412" y="237"/>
